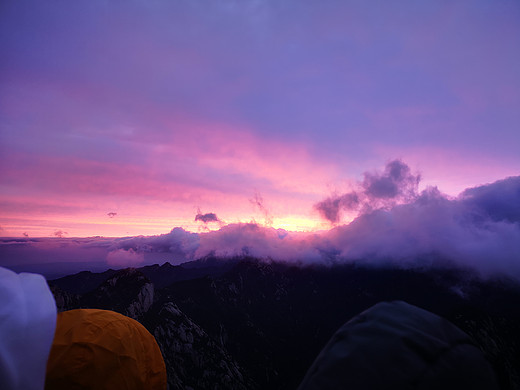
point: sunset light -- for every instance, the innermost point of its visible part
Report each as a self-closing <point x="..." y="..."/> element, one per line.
<point x="236" y="179"/>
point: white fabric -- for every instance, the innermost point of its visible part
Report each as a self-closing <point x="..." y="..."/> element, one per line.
<point x="27" y="325"/>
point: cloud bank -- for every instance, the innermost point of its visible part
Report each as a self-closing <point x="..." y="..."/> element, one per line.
<point x="434" y="230"/>
<point x="125" y="258"/>
<point x="397" y="226"/>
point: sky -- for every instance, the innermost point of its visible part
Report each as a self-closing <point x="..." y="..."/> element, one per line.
<point x="128" y="118"/>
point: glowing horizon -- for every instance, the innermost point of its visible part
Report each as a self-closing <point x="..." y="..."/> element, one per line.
<point x="86" y="230"/>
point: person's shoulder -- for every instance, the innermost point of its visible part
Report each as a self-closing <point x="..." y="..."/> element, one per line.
<point x="397" y="345"/>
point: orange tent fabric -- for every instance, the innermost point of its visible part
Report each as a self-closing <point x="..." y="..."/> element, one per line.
<point x="101" y="349"/>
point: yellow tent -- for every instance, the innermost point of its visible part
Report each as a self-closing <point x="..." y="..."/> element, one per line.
<point x="101" y="349"/>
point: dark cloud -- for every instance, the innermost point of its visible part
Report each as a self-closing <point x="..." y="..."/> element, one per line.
<point x="330" y="208"/>
<point x="206" y="218"/>
<point x="25" y="234"/>
<point x="60" y="233"/>
<point x="111" y="214"/>
<point x="396" y="184"/>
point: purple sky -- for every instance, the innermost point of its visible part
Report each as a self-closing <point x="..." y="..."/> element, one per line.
<point x="134" y="117"/>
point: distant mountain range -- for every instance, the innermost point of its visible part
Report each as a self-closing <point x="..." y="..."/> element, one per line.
<point x="250" y="324"/>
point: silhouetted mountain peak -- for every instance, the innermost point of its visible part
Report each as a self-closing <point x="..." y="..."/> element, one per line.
<point x="128" y="291"/>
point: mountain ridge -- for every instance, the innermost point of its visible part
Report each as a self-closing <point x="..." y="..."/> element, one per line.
<point x="268" y="320"/>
